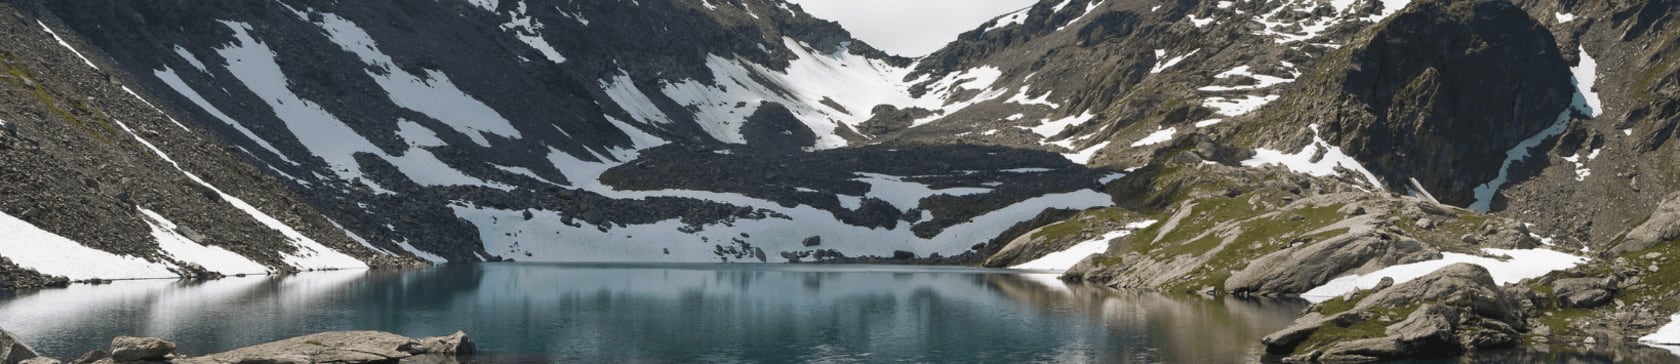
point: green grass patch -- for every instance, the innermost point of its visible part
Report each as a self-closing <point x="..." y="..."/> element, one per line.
<point x="1259" y="236"/>
<point x="1086" y="221"/>
<point x="1330" y="333"/>
<point x="100" y="128"/>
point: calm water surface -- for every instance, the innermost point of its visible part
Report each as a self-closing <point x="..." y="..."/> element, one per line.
<point x="670" y="313"/>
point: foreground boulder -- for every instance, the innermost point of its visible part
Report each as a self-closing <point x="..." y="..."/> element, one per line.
<point x="13" y="351"/>
<point x="1455" y="309"/>
<point x="129" y="348"/>
<point x="346" y="347"/>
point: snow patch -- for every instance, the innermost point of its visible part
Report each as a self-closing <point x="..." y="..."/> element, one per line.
<point x="212" y="258"/>
<point x="529" y="31"/>
<point x="812" y="80"/>
<point x="1236" y="106"/>
<point x="423" y="167"/>
<point x="51" y="254"/>
<point x="1051" y="128"/>
<point x="193" y="60"/>
<point x="434" y="258"/>
<point x="1158" y="137"/>
<point x="1199" y="22"/>
<point x="1063" y="260"/>
<point x="1016" y="18"/>
<point x="1164" y="65"/>
<point x="1089" y="6"/>
<point x="1021" y="98"/>
<point x="66" y="45"/>
<point x="1302" y="162"/>
<point x="432" y="93"/>
<point x="180" y="86"/>
<point x="1517" y="265"/>
<point x="1263" y="81"/>
<point x="1083" y="157"/>
<point x="907" y="195"/>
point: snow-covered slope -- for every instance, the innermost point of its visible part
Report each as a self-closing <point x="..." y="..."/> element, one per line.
<point x="480" y="130"/>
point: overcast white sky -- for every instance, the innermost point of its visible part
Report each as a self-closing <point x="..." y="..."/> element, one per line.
<point x="910" y="28"/>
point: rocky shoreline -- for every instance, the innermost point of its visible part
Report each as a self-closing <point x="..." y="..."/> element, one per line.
<point x="326" y="347"/>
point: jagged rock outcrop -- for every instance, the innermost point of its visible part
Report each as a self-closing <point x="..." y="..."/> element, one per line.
<point x="1455" y="309"/>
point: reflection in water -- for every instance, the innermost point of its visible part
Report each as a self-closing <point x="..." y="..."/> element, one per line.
<point x="666" y="313"/>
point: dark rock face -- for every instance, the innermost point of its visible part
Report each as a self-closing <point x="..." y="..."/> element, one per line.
<point x="772" y="128"/>
<point x="1438" y="92"/>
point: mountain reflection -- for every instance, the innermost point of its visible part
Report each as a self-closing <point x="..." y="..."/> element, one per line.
<point x="672" y="313"/>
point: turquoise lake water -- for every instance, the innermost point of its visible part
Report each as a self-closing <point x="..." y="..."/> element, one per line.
<point x="670" y="314"/>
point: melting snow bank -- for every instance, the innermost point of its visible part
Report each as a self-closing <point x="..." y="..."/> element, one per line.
<point x="1584" y="75"/>
<point x="66" y="45"/>
<point x="1519" y="264"/>
<point x="1302" y="162"/>
<point x="1063" y="260"/>
<point x="1666" y="337"/>
<point x="31" y="247"/>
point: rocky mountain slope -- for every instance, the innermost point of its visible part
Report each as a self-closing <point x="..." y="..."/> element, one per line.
<point x="101" y="183"/>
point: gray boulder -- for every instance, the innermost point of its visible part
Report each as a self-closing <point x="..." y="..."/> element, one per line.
<point x="1459" y="308"/>
<point x="1662" y="226"/>
<point x="1584" y="292"/>
<point x="1296" y="270"/>
<point x="12" y="350"/>
<point x="92" y="357"/>
<point x="1460" y="285"/>
<point x="346" y="347"/>
<point x="130" y="348"/>
<point x="40" y="360"/>
<point x="455" y="344"/>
